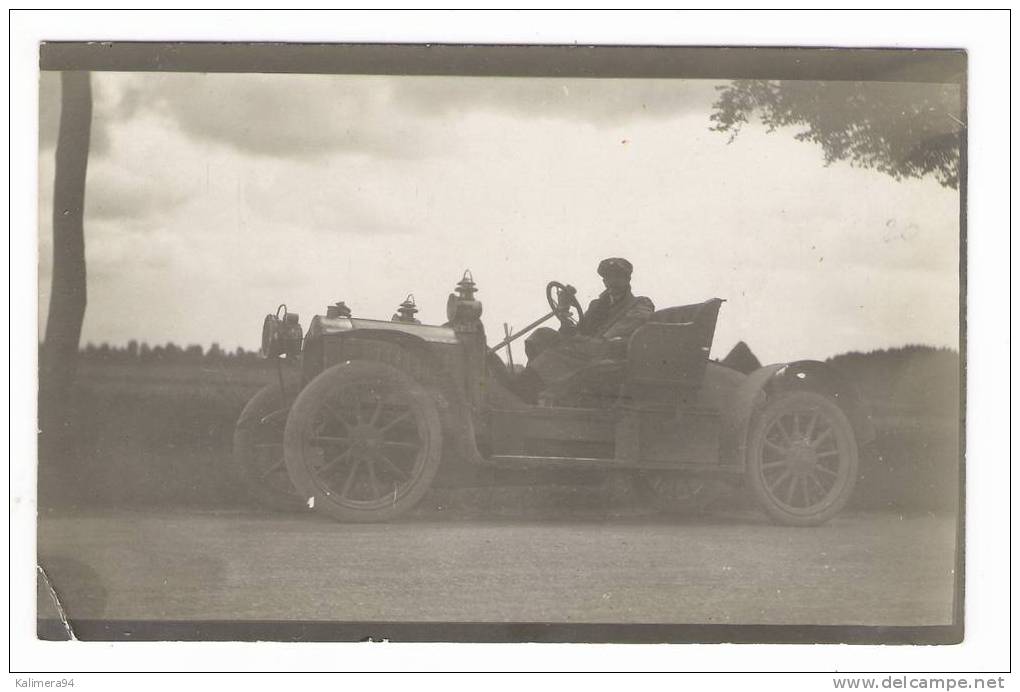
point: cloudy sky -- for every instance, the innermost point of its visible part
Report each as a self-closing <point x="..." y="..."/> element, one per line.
<point x="213" y="198"/>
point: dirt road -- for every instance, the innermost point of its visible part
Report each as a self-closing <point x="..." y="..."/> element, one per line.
<point x="866" y="569"/>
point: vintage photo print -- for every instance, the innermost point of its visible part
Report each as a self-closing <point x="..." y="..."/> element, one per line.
<point x="493" y="343"/>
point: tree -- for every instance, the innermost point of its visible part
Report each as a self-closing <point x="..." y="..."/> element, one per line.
<point x="906" y="130"/>
<point x="215" y="353"/>
<point x="193" y="354"/>
<point x="67" y="298"/>
<point x="172" y="353"/>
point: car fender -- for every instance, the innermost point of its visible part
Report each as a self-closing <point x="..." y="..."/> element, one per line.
<point x="770" y="381"/>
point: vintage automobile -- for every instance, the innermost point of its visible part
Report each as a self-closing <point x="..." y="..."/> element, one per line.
<point x="367" y="414"/>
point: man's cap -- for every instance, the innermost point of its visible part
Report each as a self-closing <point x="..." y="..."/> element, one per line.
<point x="616" y="265"/>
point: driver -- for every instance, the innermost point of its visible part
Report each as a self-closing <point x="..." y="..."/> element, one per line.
<point x="554" y="357"/>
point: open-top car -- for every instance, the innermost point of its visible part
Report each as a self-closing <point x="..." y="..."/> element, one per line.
<point x="383" y="409"/>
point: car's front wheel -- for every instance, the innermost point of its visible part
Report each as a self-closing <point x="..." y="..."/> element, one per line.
<point x="802" y="458"/>
<point x="363" y="442"/>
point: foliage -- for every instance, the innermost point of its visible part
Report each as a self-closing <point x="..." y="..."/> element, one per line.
<point x="916" y="379"/>
<point x="906" y="130"/>
<point x="168" y="353"/>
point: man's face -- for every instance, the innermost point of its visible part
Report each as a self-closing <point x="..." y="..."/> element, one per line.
<point x="616" y="283"/>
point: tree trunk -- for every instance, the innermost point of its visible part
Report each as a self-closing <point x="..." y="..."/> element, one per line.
<point x="59" y="356"/>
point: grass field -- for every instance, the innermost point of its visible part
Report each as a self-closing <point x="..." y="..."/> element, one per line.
<point x="156" y="434"/>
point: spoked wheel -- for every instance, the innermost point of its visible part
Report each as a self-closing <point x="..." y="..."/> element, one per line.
<point x="802" y="459"/>
<point x="258" y="450"/>
<point x="675" y="493"/>
<point x="363" y="442"/>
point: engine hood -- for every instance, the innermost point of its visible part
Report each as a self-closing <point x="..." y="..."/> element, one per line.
<point x="325" y="326"/>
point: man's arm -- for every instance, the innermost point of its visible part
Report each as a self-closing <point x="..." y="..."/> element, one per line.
<point x="613" y="342"/>
<point x="589" y="323"/>
<point x="637" y="314"/>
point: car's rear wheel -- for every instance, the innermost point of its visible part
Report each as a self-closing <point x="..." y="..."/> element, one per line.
<point x="802" y="458"/>
<point x="258" y="450"/>
<point x="363" y="442"/>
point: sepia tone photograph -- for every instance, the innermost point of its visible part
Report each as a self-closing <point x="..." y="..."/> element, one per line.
<point x="491" y="343"/>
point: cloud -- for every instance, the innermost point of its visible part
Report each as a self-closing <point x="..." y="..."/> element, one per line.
<point x="145" y="175"/>
<point x="305" y="117"/>
<point x="118" y="193"/>
<point x="597" y="101"/>
<point x="131" y="250"/>
<point x="343" y="200"/>
<point x="285" y="116"/>
<point x="146" y="169"/>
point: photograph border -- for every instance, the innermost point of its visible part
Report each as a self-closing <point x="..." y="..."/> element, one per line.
<point x="941" y="65"/>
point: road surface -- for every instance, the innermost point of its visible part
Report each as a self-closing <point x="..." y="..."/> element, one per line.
<point x="861" y="569"/>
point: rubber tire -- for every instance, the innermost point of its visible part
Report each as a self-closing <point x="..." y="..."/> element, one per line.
<point x="782" y="404"/>
<point x="266" y="400"/>
<point x="308" y="403"/>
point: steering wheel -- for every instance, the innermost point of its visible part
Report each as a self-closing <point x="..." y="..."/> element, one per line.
<point x="561" y="299"/>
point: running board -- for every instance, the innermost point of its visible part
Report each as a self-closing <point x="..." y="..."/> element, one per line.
<point x="522" y="461"/>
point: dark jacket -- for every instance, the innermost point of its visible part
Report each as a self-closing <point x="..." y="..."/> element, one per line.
<point x="601" y="337"/>
<point x="609" y="319"/>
